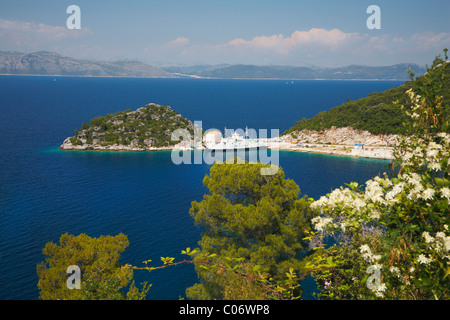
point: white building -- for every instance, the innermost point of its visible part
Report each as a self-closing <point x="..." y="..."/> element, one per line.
<point x="213" y="137"/>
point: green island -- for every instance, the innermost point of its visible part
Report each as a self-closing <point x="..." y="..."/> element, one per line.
<point x="147" y="128"/>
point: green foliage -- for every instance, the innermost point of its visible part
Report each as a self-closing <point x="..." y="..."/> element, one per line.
<point x="102" y="275"/>
<point x="398" y="225"/>
<point x="153" y="123"/>
<point x="110" y="289"/>
<point x="75" y="141"/>
<point x="430" y="111"/>
<point x="239" y="279"/>
<point x="259" y="219"/>
<point x="344" y="275"/>
<point x="379" y="112"/>
<point x="99" y="121"/>
<point x="84" y="126"/>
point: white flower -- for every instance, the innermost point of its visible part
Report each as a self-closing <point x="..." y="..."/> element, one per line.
<point x="445" y="191"/>
<point x="432" y="153"/>
<point x="418" y="188"/>
<point x="433" y="146"/>
<point x="442" y="242"/>
<point x="428" y="194"/>
<point x="374" y="193"/>
<point x="374" y="214"/>
<point x="321" y="223"/>
<point x="364" y="248"/>
<point x="423" y="260"/>
<point x="394" y="269"/>
<point x="413" y="178"/>
<point x="428" y="238"/>
<point x="390" y="195"/>
<point x="382" y="287"/>
<point x="366" y="253"/>
<point x="379" y="294"/>
<point x="398" y="188"/>
<point x="343" y="225"/>
<point x="445" y="136"/>
<point x="413" y="195"/>
<point x="418" y="152"/>
<point x="407" y="156"/>
<point x="379" y="290"/>
<point x="358" y="204"/>
<point x="319" y="203"/>
<point x="441" y="235"/>
<point x="447" y="243"/>
<point x="436" y="166"/>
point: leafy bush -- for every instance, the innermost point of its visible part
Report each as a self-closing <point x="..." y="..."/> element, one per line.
<point x="398" y="225"/>
<point x="254" y="218"/>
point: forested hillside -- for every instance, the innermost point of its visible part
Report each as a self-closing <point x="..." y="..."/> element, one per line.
<point x="378" y="113"/>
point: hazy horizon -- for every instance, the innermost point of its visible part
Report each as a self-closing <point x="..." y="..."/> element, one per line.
<point x="200" y="32"/>
<point x="185" y="65"/>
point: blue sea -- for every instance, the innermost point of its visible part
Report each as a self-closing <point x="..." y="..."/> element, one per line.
<point x="46" y="192"/>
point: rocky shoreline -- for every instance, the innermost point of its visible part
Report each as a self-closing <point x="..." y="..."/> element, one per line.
<point x="67" y="145"/>
<point x="334" y="141"/>
<point x="343" y="136"/>
<point x="345" y="141"/>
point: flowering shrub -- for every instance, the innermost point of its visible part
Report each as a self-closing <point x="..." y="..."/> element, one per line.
<point x="398" y="223"/>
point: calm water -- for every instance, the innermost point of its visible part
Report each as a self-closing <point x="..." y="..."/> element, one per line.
<point x="45" y="192"/>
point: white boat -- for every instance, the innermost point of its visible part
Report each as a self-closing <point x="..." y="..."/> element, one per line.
<point x="235" y="142"/>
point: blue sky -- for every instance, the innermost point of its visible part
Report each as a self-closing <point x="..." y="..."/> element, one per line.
<point x="264" y="32"/>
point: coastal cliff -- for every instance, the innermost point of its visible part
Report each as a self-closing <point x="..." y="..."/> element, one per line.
<point x="147" y="128"/>
<point x="343" y="136"/>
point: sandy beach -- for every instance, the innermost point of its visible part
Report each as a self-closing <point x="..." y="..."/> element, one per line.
<point x="338" y="150"/>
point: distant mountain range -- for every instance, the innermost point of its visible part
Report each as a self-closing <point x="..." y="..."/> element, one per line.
<point x="353" y="72"/>
<point x="50" y="63"/>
